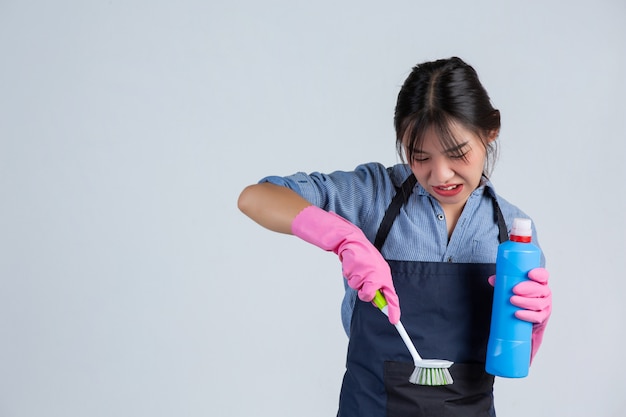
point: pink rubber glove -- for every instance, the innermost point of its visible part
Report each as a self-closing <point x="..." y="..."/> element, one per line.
<point x="363" y="266"/>
<point x="535" y="298"/>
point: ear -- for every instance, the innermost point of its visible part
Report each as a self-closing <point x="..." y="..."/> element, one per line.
<point x="493" y="135"/>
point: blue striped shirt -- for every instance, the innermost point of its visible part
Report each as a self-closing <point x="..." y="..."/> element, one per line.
<point x="419" y="233"/>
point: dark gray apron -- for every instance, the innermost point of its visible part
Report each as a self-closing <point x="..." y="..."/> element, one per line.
<point x="446" y="309"/>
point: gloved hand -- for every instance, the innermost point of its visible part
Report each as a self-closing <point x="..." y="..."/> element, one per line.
<point x="363" y="266"/>
<point x="535" y="298"/>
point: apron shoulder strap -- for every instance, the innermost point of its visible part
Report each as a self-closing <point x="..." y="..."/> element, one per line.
<point x="402" y="196"/>
<point x="503" y="235"/>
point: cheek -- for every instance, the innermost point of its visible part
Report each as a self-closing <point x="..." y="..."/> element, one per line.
<point x="476" y="162"/>
<point x="418" y="168"/>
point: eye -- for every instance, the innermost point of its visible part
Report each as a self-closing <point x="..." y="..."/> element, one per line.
<point x="420" y="158"/>
<point x="460" y="156"/>
<point x="459" y="152"/>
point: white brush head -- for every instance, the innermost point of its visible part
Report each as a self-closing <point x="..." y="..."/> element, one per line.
<point x="432" y="372"/>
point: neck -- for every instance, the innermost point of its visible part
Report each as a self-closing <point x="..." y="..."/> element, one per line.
<point x="453" y="213"/>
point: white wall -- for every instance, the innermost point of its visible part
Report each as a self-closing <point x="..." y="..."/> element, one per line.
<point x="130" y="284"/>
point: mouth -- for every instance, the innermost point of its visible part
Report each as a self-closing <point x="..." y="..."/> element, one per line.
<point x="447" y="187"/>
<point x="448" y="190"/>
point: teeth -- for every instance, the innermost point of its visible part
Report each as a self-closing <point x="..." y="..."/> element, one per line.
<point x="452" y="187"/>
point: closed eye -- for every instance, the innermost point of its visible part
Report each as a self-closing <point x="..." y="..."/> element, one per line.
<point x="458" y="155"/>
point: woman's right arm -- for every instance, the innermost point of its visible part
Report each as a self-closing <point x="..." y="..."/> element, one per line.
<point x="272" y="206"/>
<point x="282" y="210"/>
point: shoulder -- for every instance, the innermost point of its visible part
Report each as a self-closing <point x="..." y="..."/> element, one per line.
<point x="357" y="194"/>
<point x="368" y="177"/>
<point x="392" y="176"/>
<point x="362" y="192"/>
<point x="510" y="211"/>
<point x="398" y="174"/>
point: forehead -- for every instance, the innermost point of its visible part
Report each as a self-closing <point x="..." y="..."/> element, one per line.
<point x="439" y="138"/>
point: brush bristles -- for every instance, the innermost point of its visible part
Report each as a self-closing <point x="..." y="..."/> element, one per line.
<point x="431" y="376"/>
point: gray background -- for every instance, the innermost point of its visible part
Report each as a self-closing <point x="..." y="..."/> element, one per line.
<point x="132" y="286"/>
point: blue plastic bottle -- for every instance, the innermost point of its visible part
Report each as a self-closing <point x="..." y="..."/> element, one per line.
<point x="508" y="349"/>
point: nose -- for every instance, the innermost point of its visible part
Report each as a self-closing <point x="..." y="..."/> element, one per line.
<point x="441" y="171"/>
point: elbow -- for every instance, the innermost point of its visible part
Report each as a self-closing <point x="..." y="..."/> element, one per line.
<point x="244" y="203"/>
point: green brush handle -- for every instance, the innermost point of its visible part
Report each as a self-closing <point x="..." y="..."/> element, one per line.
<point x="379" y="300"/>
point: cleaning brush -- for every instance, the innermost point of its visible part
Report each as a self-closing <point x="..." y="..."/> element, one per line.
<point x="427" y="371"/>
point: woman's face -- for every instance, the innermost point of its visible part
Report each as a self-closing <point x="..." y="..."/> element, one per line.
<point x="450" y="175"/>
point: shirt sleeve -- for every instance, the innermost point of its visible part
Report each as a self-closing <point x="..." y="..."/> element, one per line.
<point x="283" y="182"/>
<point x="359" y="195"/>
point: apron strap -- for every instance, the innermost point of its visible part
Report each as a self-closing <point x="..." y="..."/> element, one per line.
<point x="503" y="234"/>
<point x="402" y="196"/>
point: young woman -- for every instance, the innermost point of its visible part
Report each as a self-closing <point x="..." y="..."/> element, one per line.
<point x="425" y="233"/>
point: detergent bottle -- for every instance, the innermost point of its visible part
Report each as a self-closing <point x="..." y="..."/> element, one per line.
<point x="509" y="345"/>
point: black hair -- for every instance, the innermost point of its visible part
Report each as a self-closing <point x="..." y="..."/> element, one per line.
<point x="438" y="94"/>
